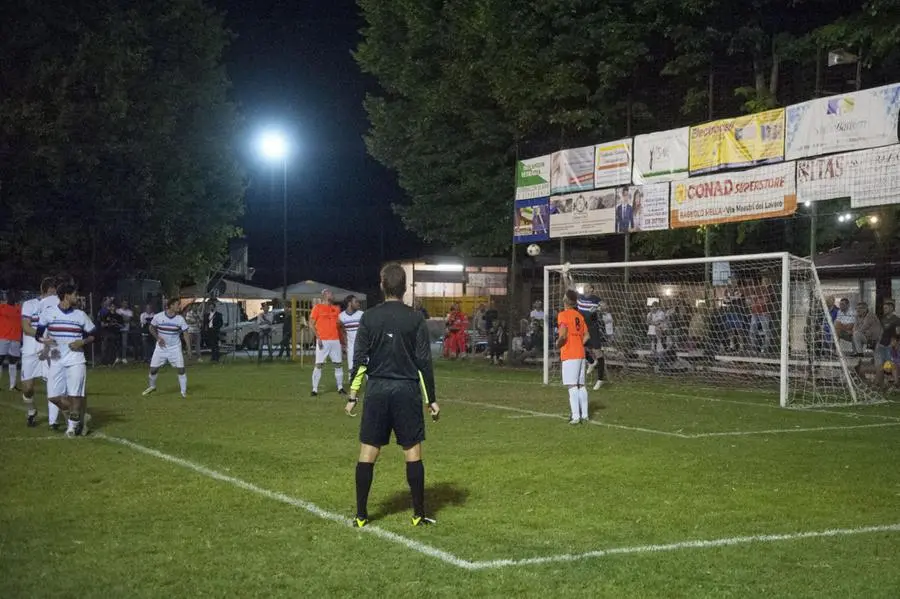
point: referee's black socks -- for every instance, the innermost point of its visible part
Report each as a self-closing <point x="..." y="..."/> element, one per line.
<point x="364" y="473"/>
<point x="415" y="476"/>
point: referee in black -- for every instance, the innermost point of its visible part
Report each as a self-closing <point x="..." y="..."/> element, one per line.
<point x="393" y="349"/>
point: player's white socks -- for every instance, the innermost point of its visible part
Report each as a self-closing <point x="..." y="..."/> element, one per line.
<point x="182" y="382"/>
<point x="317" y="376"/>
<point x="583" y="402"/>
<point x="13" y="373"/>
<point x="29" y="403"/>
<point x="339" y="377"/>
<point x="152" y="380"/>
<point x="52" y="412"/>
<point x="573" y="402"/>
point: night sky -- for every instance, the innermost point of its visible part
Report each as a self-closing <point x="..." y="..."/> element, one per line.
<point x="291" y="67"/>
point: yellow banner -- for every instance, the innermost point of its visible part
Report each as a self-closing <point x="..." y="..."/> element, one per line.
<point x="743" y="141"/>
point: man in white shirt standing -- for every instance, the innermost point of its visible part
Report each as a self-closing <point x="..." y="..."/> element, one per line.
<point x="168" y="328"/>
<point x="68" y="330"/>
<point x="349" y="320"/>
<point x="264" y="324"/>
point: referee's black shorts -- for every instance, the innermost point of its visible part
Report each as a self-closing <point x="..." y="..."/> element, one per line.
<point x="392" y="405"/>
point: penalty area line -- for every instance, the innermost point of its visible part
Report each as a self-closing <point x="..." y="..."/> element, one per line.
<point x="308" y="506"/>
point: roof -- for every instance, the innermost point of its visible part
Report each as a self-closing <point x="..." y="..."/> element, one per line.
<point x="233" y="290"/>
<point x="857" y="256"/>
<point x="313" y="289"/>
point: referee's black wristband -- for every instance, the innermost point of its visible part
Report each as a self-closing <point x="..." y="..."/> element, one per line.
<point x="352" y="399"/>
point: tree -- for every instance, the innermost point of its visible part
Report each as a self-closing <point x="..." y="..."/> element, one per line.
<point x="115" y="141"/>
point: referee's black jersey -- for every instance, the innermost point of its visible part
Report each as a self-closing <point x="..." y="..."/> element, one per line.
<point x="392" y="342"/>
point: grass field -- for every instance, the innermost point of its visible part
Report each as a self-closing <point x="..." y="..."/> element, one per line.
<point x="246" y="490"/>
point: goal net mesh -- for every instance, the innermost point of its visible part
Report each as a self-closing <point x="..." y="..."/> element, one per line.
<point x="716" y="326"/>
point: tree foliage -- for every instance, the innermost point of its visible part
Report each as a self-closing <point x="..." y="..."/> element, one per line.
<point x="467" y="85"/>
<point x="116" y="140"/>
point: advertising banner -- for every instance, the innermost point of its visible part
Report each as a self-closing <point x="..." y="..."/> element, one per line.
<point x="643" y="208"/>
<point x="531" y="220"/>
<point x="867" y="177"/>
<point x="661" y="156"/>
<point x="857" y="121"/>
<point x="764" y="192"/>
<point x="586" y="213"/>
<point x="533" y="178"/>
<point x="739" y="142"/>
<point x="612" y="164"/>
<point x="572" y="170"/>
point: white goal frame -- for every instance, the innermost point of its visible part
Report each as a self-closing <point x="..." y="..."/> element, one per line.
<point x="785" y="259"/>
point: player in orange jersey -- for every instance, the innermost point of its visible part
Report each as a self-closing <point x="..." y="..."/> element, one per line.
<point x="573" y="333"/>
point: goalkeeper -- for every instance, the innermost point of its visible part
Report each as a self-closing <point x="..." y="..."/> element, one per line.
<point x="393" y="349"/>
<point x="589" y="307"/>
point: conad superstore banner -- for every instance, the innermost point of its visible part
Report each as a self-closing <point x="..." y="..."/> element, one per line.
<point x="864" y="119"/>
<point x="661" y="156"/>
<point x="867" y="177"/>
<point x="533" y="178"/>
<point x="572" y="170"/>
<point x="612" y="164"/>
<point x="763" y="192"/>
<point x="738" y="142"/>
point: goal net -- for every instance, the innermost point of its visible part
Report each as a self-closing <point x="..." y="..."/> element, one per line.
<point x="735" y="323"/>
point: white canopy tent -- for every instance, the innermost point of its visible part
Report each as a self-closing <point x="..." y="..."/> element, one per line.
<point x="312" y="290"/>
<point x="236" y="300"/>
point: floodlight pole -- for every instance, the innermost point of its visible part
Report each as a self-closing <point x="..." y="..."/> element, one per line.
<point x="284" y="234"/>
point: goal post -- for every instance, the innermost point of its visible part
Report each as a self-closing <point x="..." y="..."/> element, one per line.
<point x="732" y="323"/>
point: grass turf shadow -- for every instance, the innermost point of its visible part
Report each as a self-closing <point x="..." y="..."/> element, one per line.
<point x="437" y="497"/>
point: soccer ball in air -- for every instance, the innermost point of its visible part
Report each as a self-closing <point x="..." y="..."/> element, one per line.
<point x="534" y="249"/>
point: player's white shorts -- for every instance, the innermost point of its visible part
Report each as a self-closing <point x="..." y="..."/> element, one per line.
<point x="33" y="367"/>
<point x="330" y="349"/>
<point x="10" y="348"/>
<point x="66" y="380"/>
<point x="351" y="345"/>
<point x="573" y="372"/>
<point x="162" y="355"/>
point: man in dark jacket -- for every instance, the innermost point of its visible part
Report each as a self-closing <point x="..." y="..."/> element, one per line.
<point x="212" y="324"/>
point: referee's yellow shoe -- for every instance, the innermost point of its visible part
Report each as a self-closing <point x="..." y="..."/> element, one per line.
<point x="422" y="521"/>
<point x="360" y="522"/>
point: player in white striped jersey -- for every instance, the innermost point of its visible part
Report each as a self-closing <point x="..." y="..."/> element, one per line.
<point x="35" y="366"/>
<point x="66" y="330"/>
<point x="168" y="328"/>
<point x="349" y="320"/>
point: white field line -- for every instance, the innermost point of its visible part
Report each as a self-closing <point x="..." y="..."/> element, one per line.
<point x="737" y="402"/>
<point x="312" y="508"/>
<point x="562" y="417"/>
<point x="697" y="544"/>
<point x="673" y="434"/>
<point x="454" y="560"/>
<point x="47" y="438"/>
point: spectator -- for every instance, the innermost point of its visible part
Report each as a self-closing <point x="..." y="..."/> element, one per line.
<point x="126" y="314"/>
<point x="734" y="307"/>
<point x="264" y="324"/>
<point x="109" y="331"/>
<point x="895" y="360"/>
<point x="192" y="317"/>
<point x="417" y="305"/>
<point x="287" y="333"/>
<point x="455" y="340"/>
<point x="537" y="320"/>
<point x="478" y="319"/>
<point x="147" y="341"/>
<point x="845" y="321"/>
<point x="866" y="330"/>
<point x="498" y="343"/>
<point x="760" y="320"/>
<point x="890" y="328"/>
<point x="656" y="328"/>
<point x="211" y="326"/>
<point x="490" y="317"/>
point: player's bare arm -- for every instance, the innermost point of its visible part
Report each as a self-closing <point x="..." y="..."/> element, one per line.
<point x="78" y="344"/>
<point x="312" y="325"/>
<point x="27" y="328"/>
<point x="562" y="338"/>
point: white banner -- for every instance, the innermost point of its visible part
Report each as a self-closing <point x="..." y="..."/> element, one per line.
<point x="612" y="164"/>
<point x="763" y="192"/>
<point x="868" y="177"/>
<point x="587" y="213"/>
<point x="857" y="121"/>
<point x="649" y="207"/>
<point x="572" y="170"/>
<point x="662" y="156"/>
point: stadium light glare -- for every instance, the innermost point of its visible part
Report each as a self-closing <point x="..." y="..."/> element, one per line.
<point x="873" y="220"/>
<point x="807" y="204"/>
<point x="450" y="267"/>
<point x="273" y="146"/>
